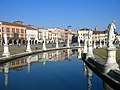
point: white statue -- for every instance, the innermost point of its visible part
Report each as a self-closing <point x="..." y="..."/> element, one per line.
<point x="89" y="37"/>
<point x="5" y="38"/>
<point x="111" y="35"/>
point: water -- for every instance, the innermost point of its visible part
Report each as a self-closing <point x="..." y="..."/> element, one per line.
<point x="56" y="70"/>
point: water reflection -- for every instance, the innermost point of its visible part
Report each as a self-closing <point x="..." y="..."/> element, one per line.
<point x="18" y="65"/>
<point x="67" y="72"/>
<point x="88" y="74"/>
<point x="6" y="71"/>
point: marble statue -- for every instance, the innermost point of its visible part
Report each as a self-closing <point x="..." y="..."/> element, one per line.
<point x="111" y="35"/>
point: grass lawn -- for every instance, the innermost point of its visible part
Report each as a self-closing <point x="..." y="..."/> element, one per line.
<point x="18" y="50"/>
<point x="101" y="52"/>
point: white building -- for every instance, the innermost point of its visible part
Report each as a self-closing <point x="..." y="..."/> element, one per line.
<point x="32" y="33"/>
<point x="82" y="33"/>
<point x="47" y="35"/>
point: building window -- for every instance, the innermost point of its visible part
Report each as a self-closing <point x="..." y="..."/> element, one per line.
<point x="17" y="30"/>
<point x="13" y="30"/>
<point x="7" y="29"/>
<point x="22" y="30"/>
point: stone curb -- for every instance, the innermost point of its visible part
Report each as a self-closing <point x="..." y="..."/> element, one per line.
<point x="98" y="68"/>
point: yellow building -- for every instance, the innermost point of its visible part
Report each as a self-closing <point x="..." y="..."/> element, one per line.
<point x="15" y="32"/>
<point x="99" y="36"/>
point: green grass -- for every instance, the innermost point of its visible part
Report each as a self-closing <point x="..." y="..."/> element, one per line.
<point x="101" y="52"/>
<point x="15" y="51"/>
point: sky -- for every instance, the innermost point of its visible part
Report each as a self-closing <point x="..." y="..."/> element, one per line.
<point x="61" y="13"/>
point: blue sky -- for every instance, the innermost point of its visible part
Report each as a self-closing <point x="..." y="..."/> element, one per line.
<point x="61" y="13"/>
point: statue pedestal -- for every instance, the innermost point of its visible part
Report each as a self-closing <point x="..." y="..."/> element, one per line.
<point x="57" y="44"/>
<point x="28" y="48"/>
<point x="6" y="51"/>
<point x="111" y="59"/>
<point x="44" y="47"/>
<point x="68" y="43"/>
<point x="90" y="51"/>
<point x="85" y="49"/>
<point x="94" y="45"/>
<point x="79" y="44"/>
<point x="111" y="55"/>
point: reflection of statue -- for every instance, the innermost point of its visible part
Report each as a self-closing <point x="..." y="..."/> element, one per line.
<point x="111" y="35"/>
<point x="6" y="71"/>
<point x="89" y="76"/>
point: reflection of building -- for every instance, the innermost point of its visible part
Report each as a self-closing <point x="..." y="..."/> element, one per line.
<point x="47" y="56"/>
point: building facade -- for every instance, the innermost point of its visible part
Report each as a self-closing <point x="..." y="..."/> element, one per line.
<point x="15" y="32"/>
<point x="32" y="33"/>
<point x="82" y="33"/>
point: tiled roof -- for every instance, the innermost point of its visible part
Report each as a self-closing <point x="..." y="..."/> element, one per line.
<point x="11" y="24"/>
<point x="100" y="32"/>
<point x="30" y="28"/>
<point x="84" y="29"/>
<point x="19" y="25"/>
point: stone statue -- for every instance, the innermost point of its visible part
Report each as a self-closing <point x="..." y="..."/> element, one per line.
<point x="111" y="35"/>
<point x="5" y="38"/>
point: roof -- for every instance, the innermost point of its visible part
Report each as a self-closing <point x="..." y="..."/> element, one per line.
<point x="19" y="25"/>
<point x="100" y="32"/>
<point x="84" y="29"/>
<point x="11" y="24"/>
<point x="30" y="27"/>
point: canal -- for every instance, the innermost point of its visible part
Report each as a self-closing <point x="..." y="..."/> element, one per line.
<point x="53" y="70"/>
